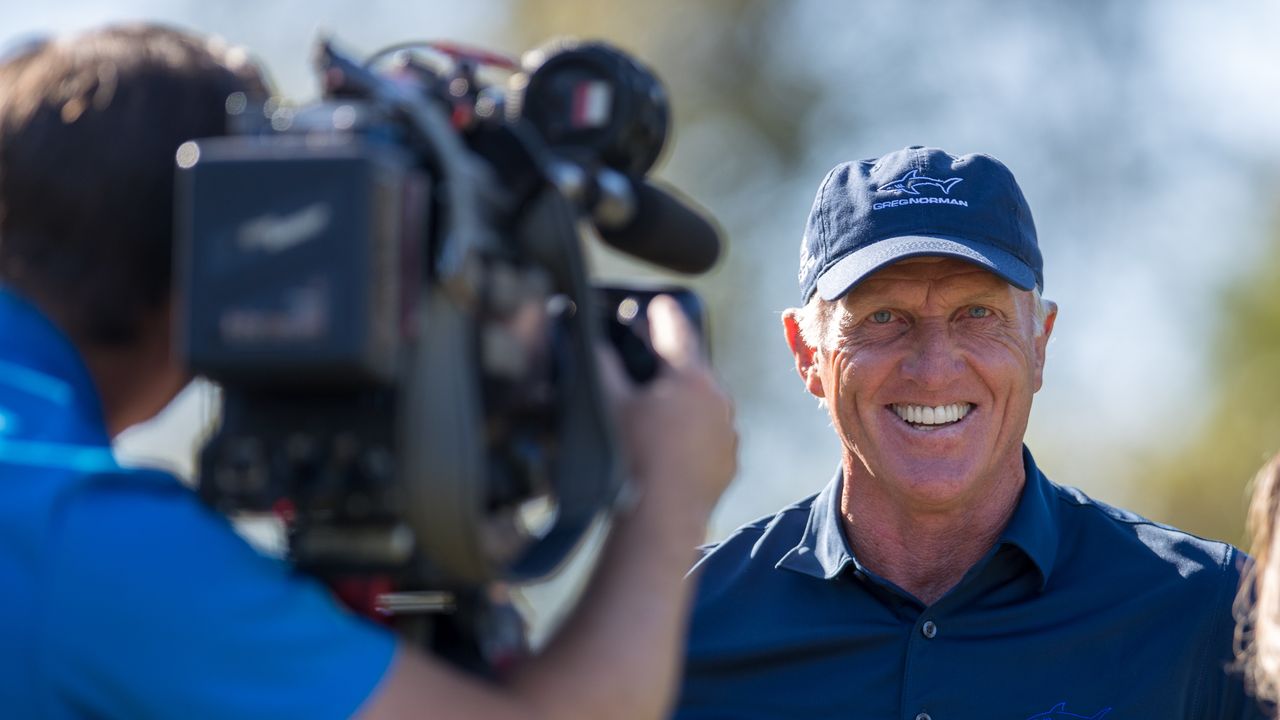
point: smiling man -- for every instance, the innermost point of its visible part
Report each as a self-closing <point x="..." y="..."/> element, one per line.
<point x="940" y="575"/>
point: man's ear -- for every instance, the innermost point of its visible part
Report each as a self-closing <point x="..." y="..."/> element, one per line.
<point x="1042" y="342"/>
<point x="805" y="354"/>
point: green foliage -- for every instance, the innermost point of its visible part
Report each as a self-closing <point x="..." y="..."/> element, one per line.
<point x="1204" y="484"/>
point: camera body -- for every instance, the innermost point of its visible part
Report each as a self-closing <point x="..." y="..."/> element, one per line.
<point x="389" y="287"/>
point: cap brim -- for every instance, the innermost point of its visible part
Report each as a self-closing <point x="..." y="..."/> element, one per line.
<point x="853" y="268"/>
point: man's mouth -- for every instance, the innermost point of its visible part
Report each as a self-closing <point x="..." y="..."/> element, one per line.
<point x="924" y="417"/>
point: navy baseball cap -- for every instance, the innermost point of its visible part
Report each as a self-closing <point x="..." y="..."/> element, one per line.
<point x="917" y="202"/>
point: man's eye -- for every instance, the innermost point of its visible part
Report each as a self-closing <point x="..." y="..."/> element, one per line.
<point x="881" y="317"/>
<point x="977" y="311"/>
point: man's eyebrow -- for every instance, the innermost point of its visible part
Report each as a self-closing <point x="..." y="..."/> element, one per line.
<point x="856" y="307"/>
<point x="988" y="295"/>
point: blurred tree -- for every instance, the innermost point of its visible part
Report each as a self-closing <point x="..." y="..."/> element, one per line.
<point x="717" y="59"/>
<point x="1203" y="486"/>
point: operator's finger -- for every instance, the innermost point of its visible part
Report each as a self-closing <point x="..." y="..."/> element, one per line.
<point x="673" y="336"/>
<point x="613" y="378"/>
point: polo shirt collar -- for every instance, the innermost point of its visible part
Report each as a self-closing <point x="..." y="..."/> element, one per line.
<point x="823" y="552"/>
<point x="1035" y="527"/>
<point x="42" y="363"/>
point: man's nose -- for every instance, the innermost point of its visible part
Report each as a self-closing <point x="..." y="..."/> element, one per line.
<point x="934" y="359"/>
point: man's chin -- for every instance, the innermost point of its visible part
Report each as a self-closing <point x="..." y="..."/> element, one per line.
<point x="928" y="478"/>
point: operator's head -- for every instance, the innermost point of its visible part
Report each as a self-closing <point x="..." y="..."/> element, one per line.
<point x="88" y="129"/>
<point x="923" y="330"/>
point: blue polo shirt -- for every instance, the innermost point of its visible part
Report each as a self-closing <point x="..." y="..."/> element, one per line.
<point x="1080" y="610"/>
<point x="122" y="596"/>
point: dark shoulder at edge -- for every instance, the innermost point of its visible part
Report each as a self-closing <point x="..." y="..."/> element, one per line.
<point x="1213" y="554"/>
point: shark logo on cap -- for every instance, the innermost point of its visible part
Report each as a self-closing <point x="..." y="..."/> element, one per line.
<point x="912" y="180"/>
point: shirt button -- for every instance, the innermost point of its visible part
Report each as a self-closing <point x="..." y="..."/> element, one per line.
<point x="929" y="629"/>
<point x="923" y="716"/>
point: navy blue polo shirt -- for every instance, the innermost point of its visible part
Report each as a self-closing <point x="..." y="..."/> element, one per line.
<point x="123" y="596"/>
<point x="1080" y="610"/>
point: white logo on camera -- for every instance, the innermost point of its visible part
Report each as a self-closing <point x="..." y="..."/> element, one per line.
<point x="277" y="233"/>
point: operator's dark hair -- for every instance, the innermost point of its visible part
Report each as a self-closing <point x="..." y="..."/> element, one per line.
<point x="88" y="130"/>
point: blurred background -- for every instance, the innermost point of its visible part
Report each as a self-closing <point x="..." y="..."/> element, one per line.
<point x="1145" y="134"/>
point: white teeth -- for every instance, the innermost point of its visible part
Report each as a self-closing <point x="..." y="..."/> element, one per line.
<point x="940" y="415"/>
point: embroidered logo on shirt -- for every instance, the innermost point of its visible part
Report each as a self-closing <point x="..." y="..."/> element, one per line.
<point x="1059" y="712"/>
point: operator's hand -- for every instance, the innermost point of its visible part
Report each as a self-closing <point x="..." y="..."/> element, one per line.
<point x="678" y="429"/>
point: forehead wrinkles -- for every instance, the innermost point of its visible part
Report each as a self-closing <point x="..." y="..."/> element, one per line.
<point x="928" y="290"/>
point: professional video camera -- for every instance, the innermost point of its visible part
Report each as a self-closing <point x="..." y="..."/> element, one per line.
<point x="390" y="288"/>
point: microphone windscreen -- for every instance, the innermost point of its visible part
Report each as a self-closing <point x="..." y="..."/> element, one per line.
<point x="667" y="230"/>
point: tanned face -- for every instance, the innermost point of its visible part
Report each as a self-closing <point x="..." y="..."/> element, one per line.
<point x="928" y="371"/>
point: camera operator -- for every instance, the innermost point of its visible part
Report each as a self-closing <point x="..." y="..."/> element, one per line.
<point x="125" y="597"/>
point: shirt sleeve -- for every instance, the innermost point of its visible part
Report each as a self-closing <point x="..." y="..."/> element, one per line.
<point x="156" y="608"/>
